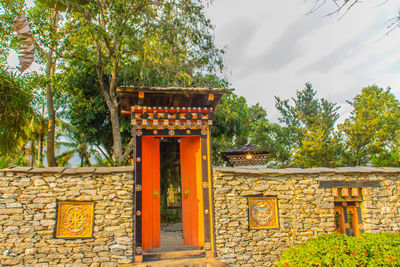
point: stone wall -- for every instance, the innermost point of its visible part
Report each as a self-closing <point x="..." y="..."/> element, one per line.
<point x="305" y="209"/>
<point x="28" y="212"/>
<point x="28" y="215"/>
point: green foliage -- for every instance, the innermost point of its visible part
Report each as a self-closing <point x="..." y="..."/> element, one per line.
<point x="368" y="249"/>
<point x="233" y="123"/>
<point x="15" y="111"/>
<point x="372" y="132"/>
<point x="62" y="5"/>
<point x="168" y="39"/>
<point x="75" y="143"/>
<point x="170" y="215"/>
<point x="273" y="138"/>
<point x="86" y="109"/>
<point x="318" y="148"/>
<point x="8" y="13"/>
<point x="4" y="162"/>
<point x="311" y="140"/>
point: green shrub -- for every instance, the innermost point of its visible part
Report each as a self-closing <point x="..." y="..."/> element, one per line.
<point x="381" y="249"/>
<point x="170" y="215"/>
<point x="4" y="162"/>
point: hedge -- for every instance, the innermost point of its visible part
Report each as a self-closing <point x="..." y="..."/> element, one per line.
<point x="368" y="249"/>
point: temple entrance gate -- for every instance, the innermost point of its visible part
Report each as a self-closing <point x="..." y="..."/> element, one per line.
<point x="185" y="113"/>
<point x="191" y="183"/>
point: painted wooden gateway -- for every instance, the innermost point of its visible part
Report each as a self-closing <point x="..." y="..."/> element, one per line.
<point x="185" y="113"/>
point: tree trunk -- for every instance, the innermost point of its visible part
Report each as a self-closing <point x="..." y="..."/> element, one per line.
<point x="32" y="152"/>
<point x="51" y="127"/>
<point x="113" y="108"/>
<point x="40" y="150"/>
<point x="116" y="133"/>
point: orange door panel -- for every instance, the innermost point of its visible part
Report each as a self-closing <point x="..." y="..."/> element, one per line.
<point x="192" y="204"/>
<point x="353" y="220"/>
<point x="151" y="192"/>
<point x="339" y="220"/>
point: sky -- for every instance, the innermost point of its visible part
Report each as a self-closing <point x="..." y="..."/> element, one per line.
<point x="274" y="47"/>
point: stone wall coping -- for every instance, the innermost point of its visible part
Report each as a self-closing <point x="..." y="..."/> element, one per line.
<point x="256" y="171"/>
<point x="62" y="170"/>
<point x="341" y="170"/>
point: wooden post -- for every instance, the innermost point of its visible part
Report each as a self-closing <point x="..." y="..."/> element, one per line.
<point x="138" y="248"/>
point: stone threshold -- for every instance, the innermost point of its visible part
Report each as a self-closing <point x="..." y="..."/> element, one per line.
<point x="193" y="262"/>
<point x="155" y="256"/>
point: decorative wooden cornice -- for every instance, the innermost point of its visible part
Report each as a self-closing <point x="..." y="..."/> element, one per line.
<point x="247" y="159"/>
<point x="171" y="117"/>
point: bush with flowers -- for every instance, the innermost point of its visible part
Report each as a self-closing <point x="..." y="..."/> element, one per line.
<point x="382" y="249"/>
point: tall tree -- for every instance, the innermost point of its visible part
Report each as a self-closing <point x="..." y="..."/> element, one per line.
<point x="372" y="131"/>
<point x="234" y="123"/>
<point x="86" y="108"/>
<point x="274" y="139"/>
<point x="39" y="31"/>
<point x="310" y="126"/>
<point x="15" y="111"/>
<point x="156" y="33"/>
<point x="320" y="147"/>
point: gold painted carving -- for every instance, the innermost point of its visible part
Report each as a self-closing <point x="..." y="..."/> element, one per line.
<point x="74" y="219"/>
<point x="263" y="213"/>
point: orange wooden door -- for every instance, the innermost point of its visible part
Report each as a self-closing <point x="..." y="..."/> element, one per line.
<point x="339" y="220"/>
<point x="151" y="223"/>
<point x="192" y="196"/>
<point x="352" y="219"/>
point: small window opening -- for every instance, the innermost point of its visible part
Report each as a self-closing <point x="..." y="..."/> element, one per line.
<point x="347" y="219"/>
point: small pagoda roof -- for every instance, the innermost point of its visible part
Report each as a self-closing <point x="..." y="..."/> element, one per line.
<point x="244" y="149"/>
<point x="239" y="155"/>
<point x="169" y="97"/>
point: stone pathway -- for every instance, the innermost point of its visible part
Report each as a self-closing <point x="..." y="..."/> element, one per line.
<point x="172" y="239"/>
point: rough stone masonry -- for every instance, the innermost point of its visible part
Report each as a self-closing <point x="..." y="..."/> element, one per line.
<point x="305" y="209"/>
<point x="28" y="215"/>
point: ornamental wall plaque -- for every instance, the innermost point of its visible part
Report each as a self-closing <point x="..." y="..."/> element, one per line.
<point x="263" y="212"/>
<point x="74" y="219"/>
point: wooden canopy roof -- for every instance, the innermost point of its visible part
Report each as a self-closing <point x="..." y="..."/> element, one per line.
<point x="169" y="97"/>
<point x="240" y="155"/>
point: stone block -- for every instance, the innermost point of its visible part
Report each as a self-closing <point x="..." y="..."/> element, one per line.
<point x="38" y="182"/>
<point x="11" y="230"/>
<point x="47" y="222"/>
<point x="11" y="211"/>
<point x="13" y="205"/>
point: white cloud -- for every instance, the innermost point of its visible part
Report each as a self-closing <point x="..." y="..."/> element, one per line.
<point x="277" y="48"/>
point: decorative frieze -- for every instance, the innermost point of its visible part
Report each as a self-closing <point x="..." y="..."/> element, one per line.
<point x="144" y="117"/>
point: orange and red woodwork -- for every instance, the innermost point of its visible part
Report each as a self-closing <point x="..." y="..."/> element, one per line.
<point x="172" y="112"/>
<point x="345" y="192"/>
